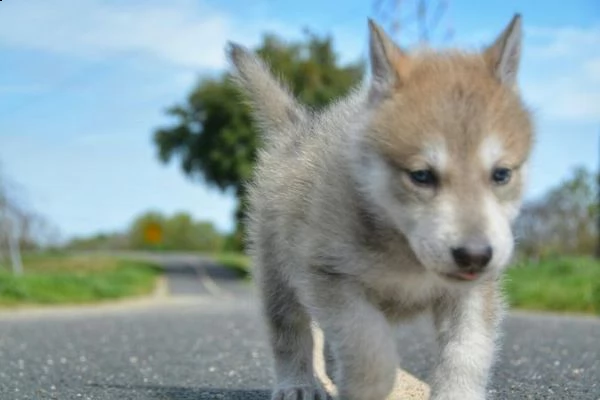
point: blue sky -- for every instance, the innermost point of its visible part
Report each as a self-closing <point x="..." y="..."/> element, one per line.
<point x="83" y="84"/>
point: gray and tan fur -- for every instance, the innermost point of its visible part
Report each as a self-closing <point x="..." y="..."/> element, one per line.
<point x="345" y="232"/>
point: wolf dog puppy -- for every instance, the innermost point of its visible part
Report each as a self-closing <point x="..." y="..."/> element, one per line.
<point x="395" y="200"/>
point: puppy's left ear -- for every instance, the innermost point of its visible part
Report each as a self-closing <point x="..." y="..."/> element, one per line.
<point x="504" y="55"/>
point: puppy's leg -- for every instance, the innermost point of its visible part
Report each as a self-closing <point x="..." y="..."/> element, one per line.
<point x="359" y="337"/>
<point x="291" y="342"/>
<point x="466" y="328"/>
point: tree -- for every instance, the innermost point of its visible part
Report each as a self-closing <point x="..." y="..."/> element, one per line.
<point x="564" y="221"/>
<point x="155" y="231"/>
<point x="183" y="233"/>
<point x="214" y="138"/>
<point x="139" y="237"/>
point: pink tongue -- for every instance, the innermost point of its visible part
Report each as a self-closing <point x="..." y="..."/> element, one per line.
<point x="467" y="275"/>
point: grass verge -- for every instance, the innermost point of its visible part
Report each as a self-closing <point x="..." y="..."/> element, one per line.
<point x="59" y="279"/>
<point x="565" y="284"/>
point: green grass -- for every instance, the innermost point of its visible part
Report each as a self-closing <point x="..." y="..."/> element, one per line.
<point x="562" y="284"/>
<point x="236" y="261"/>
<point x="566" y="284"/>
<point x="60" y="279"/>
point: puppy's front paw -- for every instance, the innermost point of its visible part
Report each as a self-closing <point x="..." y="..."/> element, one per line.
<point x="299" y="393"/>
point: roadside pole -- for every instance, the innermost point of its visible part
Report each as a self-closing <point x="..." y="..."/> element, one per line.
<point x="13" y="243"/>
<point x="15" y="252"/>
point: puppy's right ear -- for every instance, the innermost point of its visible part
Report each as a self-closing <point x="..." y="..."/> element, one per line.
<point x="504" y="54"/>
<point x="390" y="65"/>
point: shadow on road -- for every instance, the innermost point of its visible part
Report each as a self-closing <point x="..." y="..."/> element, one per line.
<point x="184" y="270"/>
<point x="191" y="393"/>
<point x="222" y="273"/>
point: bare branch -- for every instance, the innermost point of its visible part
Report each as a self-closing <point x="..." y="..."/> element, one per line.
<point x="424" y="15"/>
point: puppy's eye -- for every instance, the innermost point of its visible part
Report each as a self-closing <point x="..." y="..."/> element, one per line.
<point x="423" y="177"/>
<point x="501" y="176"/>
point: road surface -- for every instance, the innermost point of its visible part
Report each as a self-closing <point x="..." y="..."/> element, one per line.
<point x="207" y="342"/>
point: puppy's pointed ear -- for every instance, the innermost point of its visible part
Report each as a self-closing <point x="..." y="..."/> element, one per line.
<point x="504" y="55"/>
<point x="389" y="63"/>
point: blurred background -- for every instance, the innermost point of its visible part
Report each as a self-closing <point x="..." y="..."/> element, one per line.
<point x="120" y="134"/>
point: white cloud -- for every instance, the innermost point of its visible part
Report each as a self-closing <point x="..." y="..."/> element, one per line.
<point x="570" y="98"/>
<point x="565" y="41"/>
<point x="562" y="73"/>
<point x="180" y="32"/>
<point x="592" y="69"/>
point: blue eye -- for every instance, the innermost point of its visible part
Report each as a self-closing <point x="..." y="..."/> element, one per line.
<point x="423" y="177"/>
<point x="501" y="176"/>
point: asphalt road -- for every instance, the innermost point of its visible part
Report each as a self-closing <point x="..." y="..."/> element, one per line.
<point x="211" y="345"/>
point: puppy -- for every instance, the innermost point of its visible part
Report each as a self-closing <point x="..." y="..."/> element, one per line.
<point x="396" y="200"/>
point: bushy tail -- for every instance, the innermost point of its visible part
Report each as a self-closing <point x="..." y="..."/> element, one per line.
<point x="273" y="105"/>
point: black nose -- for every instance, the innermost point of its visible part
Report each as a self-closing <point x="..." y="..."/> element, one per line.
<point x="472" y="257"/>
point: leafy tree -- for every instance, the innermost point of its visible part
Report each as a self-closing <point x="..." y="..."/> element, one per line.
<point x="564" y="221"/>
<point x="213" y="136"/>
<point x="139" y="228"/>
<point x="183" y="233"/>
<point x="178" y="232"/>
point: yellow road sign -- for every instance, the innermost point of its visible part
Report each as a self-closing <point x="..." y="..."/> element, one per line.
<point x="153" y="233"/>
